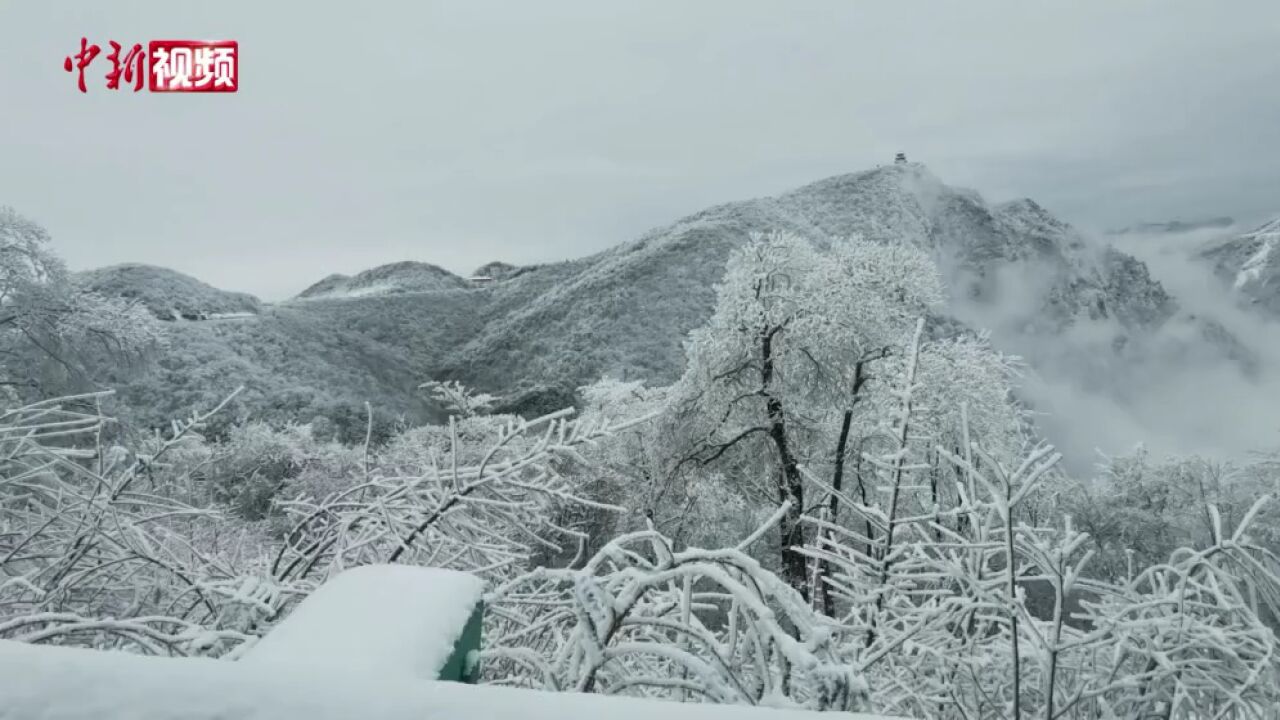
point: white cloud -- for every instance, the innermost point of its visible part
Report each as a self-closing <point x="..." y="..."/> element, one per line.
<point x="1175" y="393"/>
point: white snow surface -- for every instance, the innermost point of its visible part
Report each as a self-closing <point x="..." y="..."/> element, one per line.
<point x="386" y="620"/>
<point x="39" y="682"/>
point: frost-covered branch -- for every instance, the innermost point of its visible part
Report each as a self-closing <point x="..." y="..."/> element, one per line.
<point x="642" y="618"/>
<point x="490" y="514"/>
<point x="87" y="557"/>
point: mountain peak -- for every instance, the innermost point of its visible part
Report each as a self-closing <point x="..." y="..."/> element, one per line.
<point x="495" y="270"/>
<point x="908" y="176"/>
<point x="1027" y="217"/>
<point x="167" y="294"/>
<point x="397" y="278"/>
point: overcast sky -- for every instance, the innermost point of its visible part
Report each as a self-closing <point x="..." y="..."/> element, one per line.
<point x="462" y="132"/>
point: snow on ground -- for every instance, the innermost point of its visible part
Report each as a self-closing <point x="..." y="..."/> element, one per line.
<point x="39" y="682"/>
<point x="391" y="620"/>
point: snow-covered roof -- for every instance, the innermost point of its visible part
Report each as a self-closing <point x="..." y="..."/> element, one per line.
<point x="39" y="682"/>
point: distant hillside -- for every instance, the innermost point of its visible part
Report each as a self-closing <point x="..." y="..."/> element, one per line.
<point x="496" y="270"/>
<point x="168" y="294"/>
<point x="1174" y="226"/>
<point x="1250" y="263"/>
<point x="393" y="279"/>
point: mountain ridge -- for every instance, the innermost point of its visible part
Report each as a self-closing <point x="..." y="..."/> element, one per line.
<point x="1221" y="222"/>
<point x="539" y="332"/>
<point x="390" y="279"/>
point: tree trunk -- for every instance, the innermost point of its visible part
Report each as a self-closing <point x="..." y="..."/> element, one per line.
<point x="837" y="480"/>
<point x="837" y="477"/>
<point x="790" y="485"/>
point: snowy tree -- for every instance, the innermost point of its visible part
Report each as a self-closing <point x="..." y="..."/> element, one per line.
<point x="457" y="399"/>
<point x="946" y="630"/>
<point x="54" y="335"/>
<point x="489" y="513"/>
<point x="785" y="374"/>
<point x="792" y="329"/>
<point x="92" y="554"/>
<point x="1141" y="508"/>
<point x="635" y="462"/>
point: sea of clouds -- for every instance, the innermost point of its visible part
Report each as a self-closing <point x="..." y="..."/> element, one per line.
<point x="1177" y="392"/>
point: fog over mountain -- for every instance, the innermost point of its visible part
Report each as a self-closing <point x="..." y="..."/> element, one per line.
<point x="1174" y="226"/>
<point x="1213" y="388"/>
<point x="1160" y="338"/>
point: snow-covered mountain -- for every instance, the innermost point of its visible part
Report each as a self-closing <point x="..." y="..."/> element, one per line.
<point x="1089" y="318"/>
<point x="168" y="294"/>
<point x="392" y="279"/>
<point x="626" y="310"/>
<point x="1250" y="263"/>
<point x="495" y="270"/>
